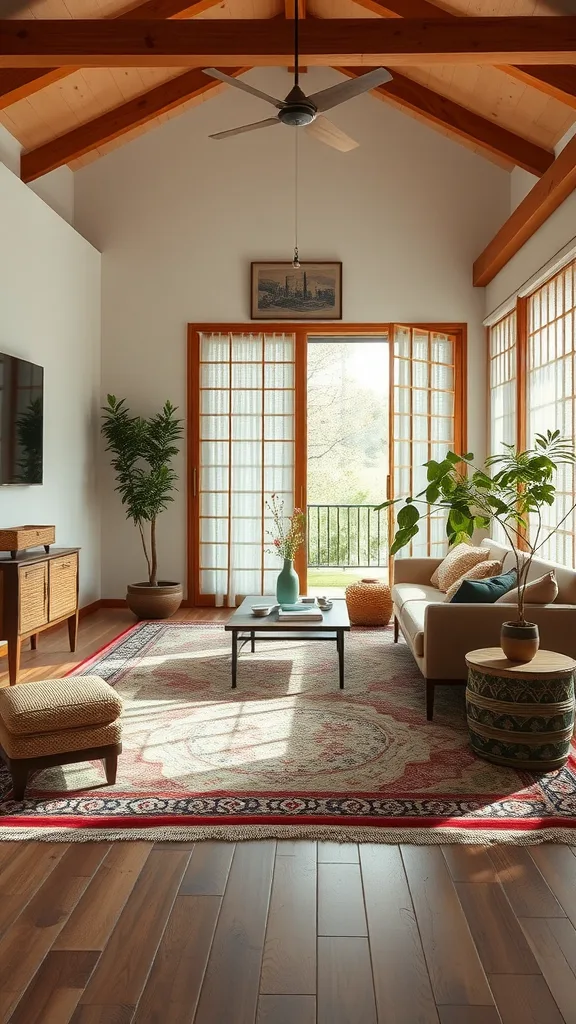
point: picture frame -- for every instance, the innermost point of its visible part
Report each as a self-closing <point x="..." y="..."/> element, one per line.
<point x="280" y="291"/>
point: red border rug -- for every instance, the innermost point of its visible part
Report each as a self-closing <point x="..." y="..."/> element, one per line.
<point x="287" y="754"/>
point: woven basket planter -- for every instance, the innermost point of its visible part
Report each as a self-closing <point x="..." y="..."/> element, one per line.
<point x="369" y="603"/>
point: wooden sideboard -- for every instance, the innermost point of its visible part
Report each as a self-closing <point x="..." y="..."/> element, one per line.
<point x="37" y="590"/>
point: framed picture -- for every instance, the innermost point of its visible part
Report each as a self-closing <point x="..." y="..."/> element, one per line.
<point x="311" y="292"/>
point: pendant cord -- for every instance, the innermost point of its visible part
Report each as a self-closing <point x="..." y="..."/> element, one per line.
<point x="296" y="68"/>
<point x="296" y="255"/>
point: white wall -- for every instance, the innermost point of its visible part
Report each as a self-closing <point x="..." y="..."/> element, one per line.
<point x="179" y="217"/>
<point x="55" y="188"/>
<point x="556" y="233"/>
<point x="50" y="314"/>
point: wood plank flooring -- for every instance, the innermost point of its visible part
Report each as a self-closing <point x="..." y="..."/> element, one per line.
<point x="288" y="932"/>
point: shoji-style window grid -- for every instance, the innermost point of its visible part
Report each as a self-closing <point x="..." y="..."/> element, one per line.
<point x="532" y="364"/>
<point x="550" y="398"/>
<point x="503" y="381"/>
<point x="246" y="453"/>
<point x="424" y="403"/>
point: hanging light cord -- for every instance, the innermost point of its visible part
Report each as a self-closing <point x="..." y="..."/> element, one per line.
<point x="296" y="33"/>
<point x="296" y="260"/>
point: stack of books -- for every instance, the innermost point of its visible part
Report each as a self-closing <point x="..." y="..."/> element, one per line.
<point x="302" y="612"/>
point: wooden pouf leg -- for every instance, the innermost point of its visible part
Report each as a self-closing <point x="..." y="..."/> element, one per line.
<point x="525" y="723"/>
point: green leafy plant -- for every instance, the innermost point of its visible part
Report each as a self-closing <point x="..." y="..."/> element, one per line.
<point x="142" y="452"/>
<point x="29" y="426"/>
<point x="510" y="489"/>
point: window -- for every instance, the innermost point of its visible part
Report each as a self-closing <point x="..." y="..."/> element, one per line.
<point x="532" y="355"/>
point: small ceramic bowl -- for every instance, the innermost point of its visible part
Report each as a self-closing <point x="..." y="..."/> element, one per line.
<point x="324" y="605"/>
<point x="261" y="610"/>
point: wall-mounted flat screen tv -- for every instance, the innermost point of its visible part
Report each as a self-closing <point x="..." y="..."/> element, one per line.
<point x="21" y="421"/>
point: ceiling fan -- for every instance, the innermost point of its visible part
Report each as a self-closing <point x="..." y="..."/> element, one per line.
<point x="301" y="111"/>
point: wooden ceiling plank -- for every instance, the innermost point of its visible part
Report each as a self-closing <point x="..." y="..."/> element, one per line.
<point x="557" y="80"/>
<point x="117" y="122"/>
<point x="462" y="122"/>
<point x="18" y="83"/>
<point x="543" y="199"/>
<point x="393" y="42"/>
<point x="290" y="6"/>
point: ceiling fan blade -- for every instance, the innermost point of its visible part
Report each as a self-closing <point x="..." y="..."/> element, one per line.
<point x="323" y="130"/>
<point x="246" y="128"/>
<point x="239" y="84"/>
<point x="336" y="94"/>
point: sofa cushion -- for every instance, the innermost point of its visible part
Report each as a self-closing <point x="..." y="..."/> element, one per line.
<point x="413" y="616"/>
<point x="52" y="704"/>
<point x="484" y="591"/>
<point x="544" y="590"/>
<point x="404" y="592"/>
<point x="478" y="572"/>
<point x="459" y="560"/>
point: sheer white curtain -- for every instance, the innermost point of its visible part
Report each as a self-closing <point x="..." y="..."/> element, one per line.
<point x="247" y="453"/>
<point x="424" y="408"/>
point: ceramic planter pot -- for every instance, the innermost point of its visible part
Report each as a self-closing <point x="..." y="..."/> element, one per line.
<point x="519" y="643"/>
<point x="154" y="602"/>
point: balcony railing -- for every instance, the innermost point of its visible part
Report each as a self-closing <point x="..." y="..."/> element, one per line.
<point x="347" y="536"/>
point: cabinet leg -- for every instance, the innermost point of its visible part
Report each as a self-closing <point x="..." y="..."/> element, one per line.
<point x="13" y="660"/>
<point x="73" y="630"/>
<point x="34" y="641"/>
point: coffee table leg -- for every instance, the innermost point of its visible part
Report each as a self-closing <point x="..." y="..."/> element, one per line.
<point x="340" y="648"/>
<point x="252" y="642"/>
<point x="234" y="657"/>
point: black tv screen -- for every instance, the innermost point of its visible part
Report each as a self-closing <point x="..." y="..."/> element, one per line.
<point x="21" y="421"/>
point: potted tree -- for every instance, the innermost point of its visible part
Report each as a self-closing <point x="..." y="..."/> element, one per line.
<point x="510" y="489"/>
<point x="142" y="452"/>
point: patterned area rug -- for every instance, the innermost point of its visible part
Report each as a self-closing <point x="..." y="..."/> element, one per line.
<point x="287" y="753"/>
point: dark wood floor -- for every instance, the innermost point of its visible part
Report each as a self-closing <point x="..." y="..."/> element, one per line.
<point x="280" y="932"/>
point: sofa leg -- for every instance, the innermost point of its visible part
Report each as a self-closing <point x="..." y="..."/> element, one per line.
<point x="396" y="630"/>
<point x="111" y="767"/>
<point x="430" y="688"/>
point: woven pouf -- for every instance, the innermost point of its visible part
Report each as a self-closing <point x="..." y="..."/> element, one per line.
<point x="56" y="722"/>
<point x="369" y="603"/>
<point x="520" y="713"/>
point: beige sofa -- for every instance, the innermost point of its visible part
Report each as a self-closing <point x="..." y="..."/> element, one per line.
<point x="439" y="634"/>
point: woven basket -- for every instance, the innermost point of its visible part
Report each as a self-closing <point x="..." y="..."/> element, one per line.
<point x="369" y="603"/>
<point x="17" y="538"/>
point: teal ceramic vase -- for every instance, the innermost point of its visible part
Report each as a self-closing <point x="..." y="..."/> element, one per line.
<point x="287" y="584"/>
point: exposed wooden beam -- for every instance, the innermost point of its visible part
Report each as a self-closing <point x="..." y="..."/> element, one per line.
<point x="289" y="8"/>
<point x="461" y="121"/>
<point x="114" y="123"/>
<point x="544" y="197"/>
<point x="350" y="42"/>
<point x="554" y="80"/>
<point x="18" y="83"/>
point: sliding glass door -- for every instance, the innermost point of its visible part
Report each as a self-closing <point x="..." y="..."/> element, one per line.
<point x="427" y="418"/>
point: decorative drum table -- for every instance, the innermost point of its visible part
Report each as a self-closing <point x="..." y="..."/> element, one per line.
<point x="521" y="713"/>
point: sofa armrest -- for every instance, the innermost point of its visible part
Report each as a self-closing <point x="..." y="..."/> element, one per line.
<point x="415" y="570"/>
<point x="452" y="630"/>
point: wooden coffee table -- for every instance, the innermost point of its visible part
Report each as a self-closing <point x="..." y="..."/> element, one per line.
<point x="247" y="629"/>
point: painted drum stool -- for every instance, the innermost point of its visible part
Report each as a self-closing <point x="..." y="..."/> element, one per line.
<point x="521" y="713"/>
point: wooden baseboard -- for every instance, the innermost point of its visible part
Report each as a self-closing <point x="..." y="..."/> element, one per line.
<point x="119" y="602"/>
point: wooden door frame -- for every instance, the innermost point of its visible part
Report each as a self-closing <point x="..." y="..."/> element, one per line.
<point x="302" y="331"/>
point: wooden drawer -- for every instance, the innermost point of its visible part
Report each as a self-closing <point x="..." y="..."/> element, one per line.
<point x="63" y="586"/>
<point x="33" y="589"/>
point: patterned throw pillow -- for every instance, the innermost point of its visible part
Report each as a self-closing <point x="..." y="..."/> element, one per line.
<point x="544" y="590"/>
<point x="478" y="572"/>
<point x="458" y="561"/>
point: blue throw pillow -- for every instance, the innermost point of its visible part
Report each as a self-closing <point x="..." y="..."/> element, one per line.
<point x="485" y="591"/>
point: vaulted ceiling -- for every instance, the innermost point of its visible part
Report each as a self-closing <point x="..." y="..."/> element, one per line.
<point x="513" y="114"/>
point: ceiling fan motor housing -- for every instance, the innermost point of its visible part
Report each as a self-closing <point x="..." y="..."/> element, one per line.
<point x="298" y="109"/>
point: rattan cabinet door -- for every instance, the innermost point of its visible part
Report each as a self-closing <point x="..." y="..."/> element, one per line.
<point x="63" y="586"/>
<point x="33" y="597"/>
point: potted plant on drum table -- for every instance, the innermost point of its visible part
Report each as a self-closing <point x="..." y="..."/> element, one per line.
<point x="142" y="453"/>
<point x="511" y="489"/>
